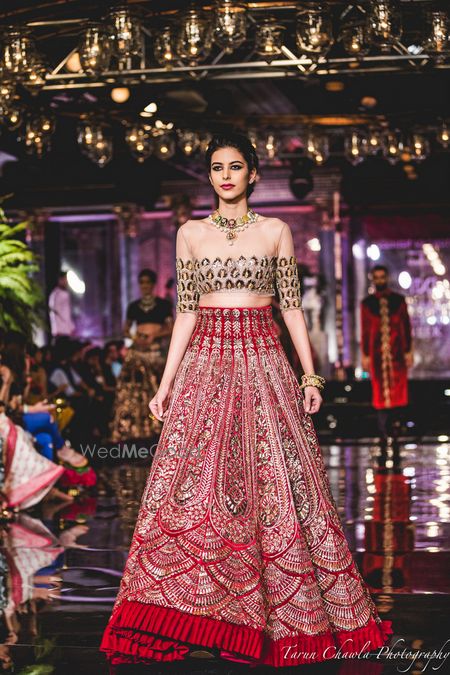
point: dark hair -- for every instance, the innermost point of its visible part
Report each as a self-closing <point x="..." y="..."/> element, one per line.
<point x="240" y="142"/>
<point x="150" y="274"/>
<point x="379" y="268"/>
<point x="62" y="274"/>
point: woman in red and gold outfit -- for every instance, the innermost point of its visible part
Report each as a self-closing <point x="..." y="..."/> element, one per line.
<point x="238" y="548"/>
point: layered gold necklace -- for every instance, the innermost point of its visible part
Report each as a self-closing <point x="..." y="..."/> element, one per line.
<point x="232" y="225"/>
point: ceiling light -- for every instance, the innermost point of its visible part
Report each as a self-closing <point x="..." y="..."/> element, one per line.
<point x="151" y="107"/>
<point x="73" y="64"/>
<point x="120" y="94"/>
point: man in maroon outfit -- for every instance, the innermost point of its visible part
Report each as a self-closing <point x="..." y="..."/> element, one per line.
<point x="387" y="349"/>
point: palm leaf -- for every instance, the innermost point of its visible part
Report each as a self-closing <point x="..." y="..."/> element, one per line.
<point x="21" y="299"/>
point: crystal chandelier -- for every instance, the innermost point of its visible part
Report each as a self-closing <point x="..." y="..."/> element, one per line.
<point x="205" y="139"/>
<point x="355" y="37"/>
<point x="7" y="95"/>
<point x="384" y="23"/>
<point x="314" y="30"/>
<point x="269" y="38"/>
<point x="125" y="33"/>
<point x="188" y="141"/>
<point x="94" y="49"/>
<point x="20" y="59"/>
<point x="12" y="117"/>
<point x="443" y="135"/>
<point x="139" y="141"/>
<point x="317" y="147"/>
<point x="419" y="147"/>
<point x="38" y="131"/>
<point x="374" y="141"/>
<point x="94" y="144"/>
<point x="164" y="146"/>
<point x="230" y="24"/>
<point x="269" y="146"/>
<point x="355" y="147"/>
<point x="164" y="47"/>
<point x="393" y="146"/>
<point x="194" y="39"/>
<point x="17" y="52"/>
<point x="438" y="40"/>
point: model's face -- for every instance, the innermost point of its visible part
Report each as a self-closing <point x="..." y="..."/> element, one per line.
<point x="380" y="279"/>
<point x="229" y="174"/>
<point x="146" y="286"/>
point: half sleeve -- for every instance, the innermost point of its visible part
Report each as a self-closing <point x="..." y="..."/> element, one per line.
<point x="187" y="293"/>
<point x="286" y="274"/>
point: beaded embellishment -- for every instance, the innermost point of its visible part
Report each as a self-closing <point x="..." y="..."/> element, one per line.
<point x="253" y="274"/>
<point x="288" y="283"/>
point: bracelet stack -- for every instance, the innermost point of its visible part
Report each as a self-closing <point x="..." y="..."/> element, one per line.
<point x="313" y="381"/>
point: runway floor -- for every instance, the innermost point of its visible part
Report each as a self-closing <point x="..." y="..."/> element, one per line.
<point x="396" y="514"/>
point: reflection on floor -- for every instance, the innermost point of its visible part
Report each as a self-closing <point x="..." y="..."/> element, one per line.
<point x="395" y="508"/>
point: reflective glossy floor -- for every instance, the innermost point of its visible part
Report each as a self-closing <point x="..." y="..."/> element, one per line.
<point x="396" y="512"/>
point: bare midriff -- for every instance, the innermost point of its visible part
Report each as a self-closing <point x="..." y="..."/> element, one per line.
<point x="150" y="330"/>
<point x="234" y="299"/>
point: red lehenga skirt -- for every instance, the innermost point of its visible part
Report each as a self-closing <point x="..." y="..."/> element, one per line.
<point x="238" y="547"/>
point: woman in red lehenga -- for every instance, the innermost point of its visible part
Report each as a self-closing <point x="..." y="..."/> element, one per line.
<point x="238" y="548"/>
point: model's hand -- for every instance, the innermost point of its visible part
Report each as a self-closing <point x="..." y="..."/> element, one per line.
<point x="365" y="362"/>
<point x="313" y="400"/>
<point x="159" y="402"/>
<point x="409" y="359"/>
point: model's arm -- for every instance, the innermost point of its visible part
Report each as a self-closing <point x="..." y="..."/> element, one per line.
<point x="288" y="285"/>
<point x="183" y="327"/>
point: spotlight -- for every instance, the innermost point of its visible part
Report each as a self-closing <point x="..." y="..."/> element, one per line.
<point x="404" y="279"/>
<point x="76" y="284"/>
<point x="314" y="244"/>
<point x="373" y="252"/>
<point x="358" y="251"/>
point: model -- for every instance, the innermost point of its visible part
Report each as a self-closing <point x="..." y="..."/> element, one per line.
<point x="238" y="549"/>
<point x="139" y="377"/>
<point x="386" y="342"/>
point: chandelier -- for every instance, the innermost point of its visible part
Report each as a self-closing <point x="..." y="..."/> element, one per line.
<point x="230" y="24"/>
<point x="94" y="49"/>
<point x="94" y="143"/>
<point x="194" y="39"/>
<point x="438" y="39"/>
<point x="164" y="46"/>
<point x="356" y="147"/>
<point x="314" y="30"/>
<point x="384" y="23"/>
<point x="317" y="147"/>
<point x="125" y="34"/>
<point x="38" y="131"/>
<point x="139" y="142"/>
<point x="188" y="141"/>
<point x="269" y="37"/>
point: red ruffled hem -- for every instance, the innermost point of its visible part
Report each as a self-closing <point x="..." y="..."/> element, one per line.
<point x="145" y="633"/>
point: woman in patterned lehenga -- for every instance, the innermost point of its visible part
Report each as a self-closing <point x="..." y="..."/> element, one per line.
<point x="238" y="548"/>
<point x="139" y="378"/>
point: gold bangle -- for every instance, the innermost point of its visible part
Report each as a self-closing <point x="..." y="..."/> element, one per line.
<point x="312" y="381"/>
